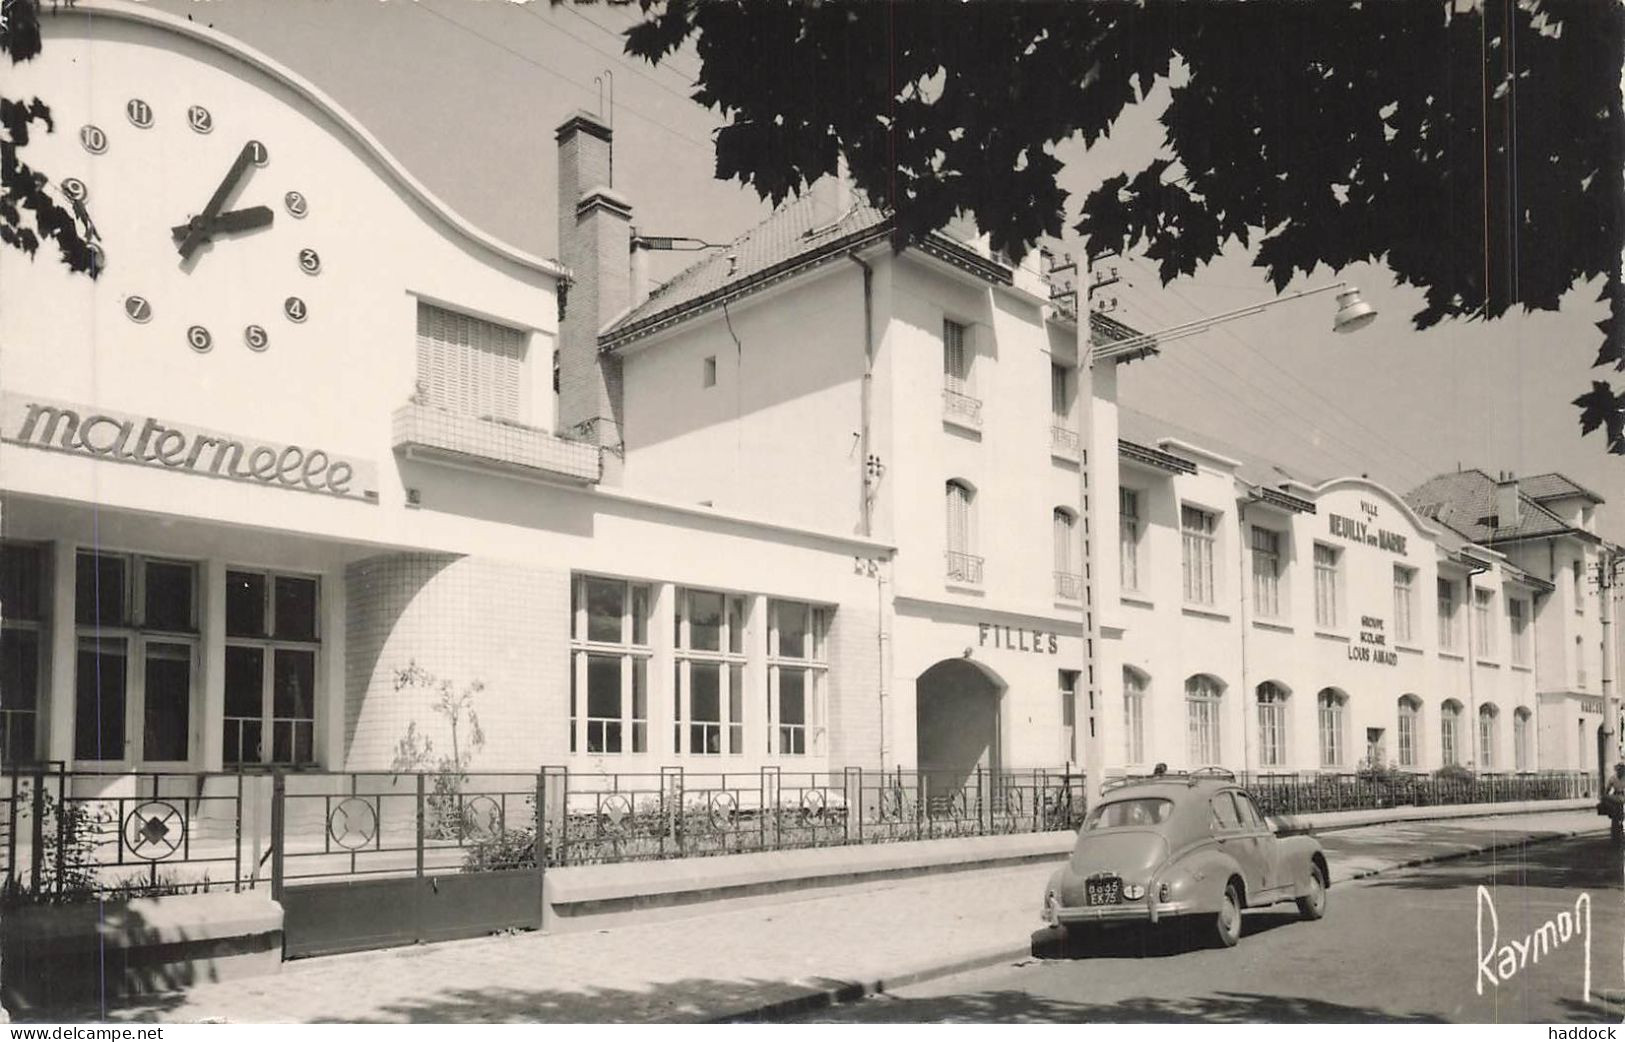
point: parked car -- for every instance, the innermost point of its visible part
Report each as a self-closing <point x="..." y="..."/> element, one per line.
<point x="1186" y="846"/>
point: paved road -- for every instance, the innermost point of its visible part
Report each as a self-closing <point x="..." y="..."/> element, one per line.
<point x="1399" y="947"/>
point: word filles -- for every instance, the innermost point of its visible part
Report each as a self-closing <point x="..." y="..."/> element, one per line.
<point x="1015" y="639"/>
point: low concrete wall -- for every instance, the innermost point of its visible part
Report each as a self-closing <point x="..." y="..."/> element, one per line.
<point x="56" y="955"/>
<point x="596" y="896"/>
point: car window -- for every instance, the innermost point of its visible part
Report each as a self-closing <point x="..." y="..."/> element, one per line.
<point x="1128" y="813"/>
<point x="1224" y="812"/>
<point x="1249" y="811"/>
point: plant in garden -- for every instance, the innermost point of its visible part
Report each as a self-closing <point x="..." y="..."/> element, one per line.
<point x="416" y="750"/>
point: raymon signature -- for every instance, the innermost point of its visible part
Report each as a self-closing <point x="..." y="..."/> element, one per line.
<point x="1498" y="963"/>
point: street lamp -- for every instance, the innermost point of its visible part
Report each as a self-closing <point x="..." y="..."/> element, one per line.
<point x="1353" y="313"/>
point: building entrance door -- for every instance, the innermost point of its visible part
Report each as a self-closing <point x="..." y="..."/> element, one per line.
<point x="956" y="724"/>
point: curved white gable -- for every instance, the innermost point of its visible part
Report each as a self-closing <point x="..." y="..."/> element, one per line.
<point x="327" y="106"/>
<point x="1422" y="524"/>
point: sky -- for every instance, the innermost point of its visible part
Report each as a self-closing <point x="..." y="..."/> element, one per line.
<point x="467" y="94"/>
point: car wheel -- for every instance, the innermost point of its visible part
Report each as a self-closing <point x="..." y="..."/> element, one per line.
<point x="1313" y="904"/>
<point x="1227" y="923"/>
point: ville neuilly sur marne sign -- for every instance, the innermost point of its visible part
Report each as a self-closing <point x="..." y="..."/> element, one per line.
<point x="148" y="441"/>
<point x="1372" y="645"/>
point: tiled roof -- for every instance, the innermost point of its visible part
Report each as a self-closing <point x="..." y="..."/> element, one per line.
<point x="1143" y="429"/>
<point x="1465" y="501"/>
<point x="788" y="233"/>
<point x="1542" y="487"/>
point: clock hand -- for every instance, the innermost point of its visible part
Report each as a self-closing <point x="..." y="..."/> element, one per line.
<point x="230" y="221"/>
<point x="200" y="224"/>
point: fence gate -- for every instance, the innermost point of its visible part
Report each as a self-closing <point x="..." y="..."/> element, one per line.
<point x="398" y="859"/>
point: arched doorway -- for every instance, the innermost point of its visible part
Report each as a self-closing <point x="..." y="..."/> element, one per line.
<point x="956" y="716"/>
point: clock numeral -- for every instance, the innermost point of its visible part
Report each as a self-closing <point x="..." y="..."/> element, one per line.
<point x="294" y="308"/>
<point x="309" y="262"/>
<point x="137" y="308"/>
<point x="75" y="189"/>
<point x="256" y="337"/>
<point x="140" y="113"/>
<point x="296" y="204"/>
<point x="199" y="338"/>
<point x="259" y="153"/>
<point x="94" y="140"/>
<point x="199" y="119"/>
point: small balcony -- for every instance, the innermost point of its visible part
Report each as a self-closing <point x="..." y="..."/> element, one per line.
<point x="431" y="433"/>
<point x="1069" y="586"/>
<point x="1064" y="443"/>
<point x="964" y="568"/>
<point x="961" y="409"/>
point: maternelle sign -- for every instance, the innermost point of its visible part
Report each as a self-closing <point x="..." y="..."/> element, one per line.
<point x="147" y="441"/>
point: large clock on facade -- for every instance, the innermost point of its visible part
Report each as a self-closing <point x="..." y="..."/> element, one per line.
<point x="216" y="215"/>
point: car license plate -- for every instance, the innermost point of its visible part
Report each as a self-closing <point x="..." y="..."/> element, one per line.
<point x="1104" y="891"/>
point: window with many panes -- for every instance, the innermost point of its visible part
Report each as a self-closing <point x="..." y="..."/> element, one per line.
<point x="1447" y="615"/>
<point x="1202" y="698"/>
<point x="710" y="673"/>
<point x="1134" y="685"/>
<point x="1128" y="537"/>
<point x="24" y="644"/>
<point x="1450" y="732"/>
<point x="135" y="659"/>
<point x="1199" y="529"/>
<point x="1266" y="572"/>
<point x="956" y="357"/>
<point x="609" y="665"/>
<point x="1067" y="684"/>
<point x="273" y="637"/>
<point x="1518" y="623"/>
<point x="1328" y="563"/>
<point x="1404" y="603"/>
<point x="797" y="677"/>
<point x="1272" y="724"/>
<point x="1483" y="623"/>
<point x="1331" y="704"/>
<point x="469" y="365"/>
<point x="1410" y="730"/>
<point x="1488" y="735"/>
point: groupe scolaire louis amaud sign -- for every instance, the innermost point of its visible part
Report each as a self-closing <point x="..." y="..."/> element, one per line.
<point x="151" y="442"/>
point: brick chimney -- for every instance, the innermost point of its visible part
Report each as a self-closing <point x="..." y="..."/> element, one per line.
<point x="595" y="237"/>
<point x="1507" y="504"/>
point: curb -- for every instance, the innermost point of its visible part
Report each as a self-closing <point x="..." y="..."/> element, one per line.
<point x="825" y="993"/>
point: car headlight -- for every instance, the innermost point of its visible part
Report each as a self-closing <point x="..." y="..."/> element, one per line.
<point x="1133" y="891"/>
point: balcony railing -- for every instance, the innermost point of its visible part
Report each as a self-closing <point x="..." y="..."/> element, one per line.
<point x="964" y="568"/>
<point x="961" y="409"/>
<point x="433" y="432"/>
<point x="1069" y="586"/>
<point x="1064" y="442"/>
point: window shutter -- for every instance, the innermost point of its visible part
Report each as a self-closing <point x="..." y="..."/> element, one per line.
<point x="468" y="365"/>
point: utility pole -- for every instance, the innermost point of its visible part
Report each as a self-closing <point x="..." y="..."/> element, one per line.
<point x="1607" y="748"/>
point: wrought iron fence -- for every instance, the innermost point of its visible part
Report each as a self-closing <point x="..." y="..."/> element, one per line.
<point x="75" y="835"/>
<point x="962" y="408"/>
<point x="603" y="818"/>
<point x="963" y="567"/>
<point x="1311" y="792"/>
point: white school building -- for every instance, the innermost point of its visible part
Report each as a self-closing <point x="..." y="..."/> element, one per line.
<point x="811" y="504"/>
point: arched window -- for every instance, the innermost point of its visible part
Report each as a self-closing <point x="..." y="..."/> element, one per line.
<point x="1410" y="731"/>
<point x="1331" y="703"/>
<point x="1450" y="732"/>
<point x="963" y="564"/>
<point x="1488" y="716"/>
<point x="1520" y="739"/>
<point x="1272" y="726"/>
<point x="1202" y="695"/>
<point x="1134" y="686"/>
<point x="1068" y="583"/>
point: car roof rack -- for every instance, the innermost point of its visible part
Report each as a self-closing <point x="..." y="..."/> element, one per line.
<point x="1190" y="778"/>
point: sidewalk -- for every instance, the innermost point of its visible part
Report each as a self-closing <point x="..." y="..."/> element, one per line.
<point x="717" y="964"/>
